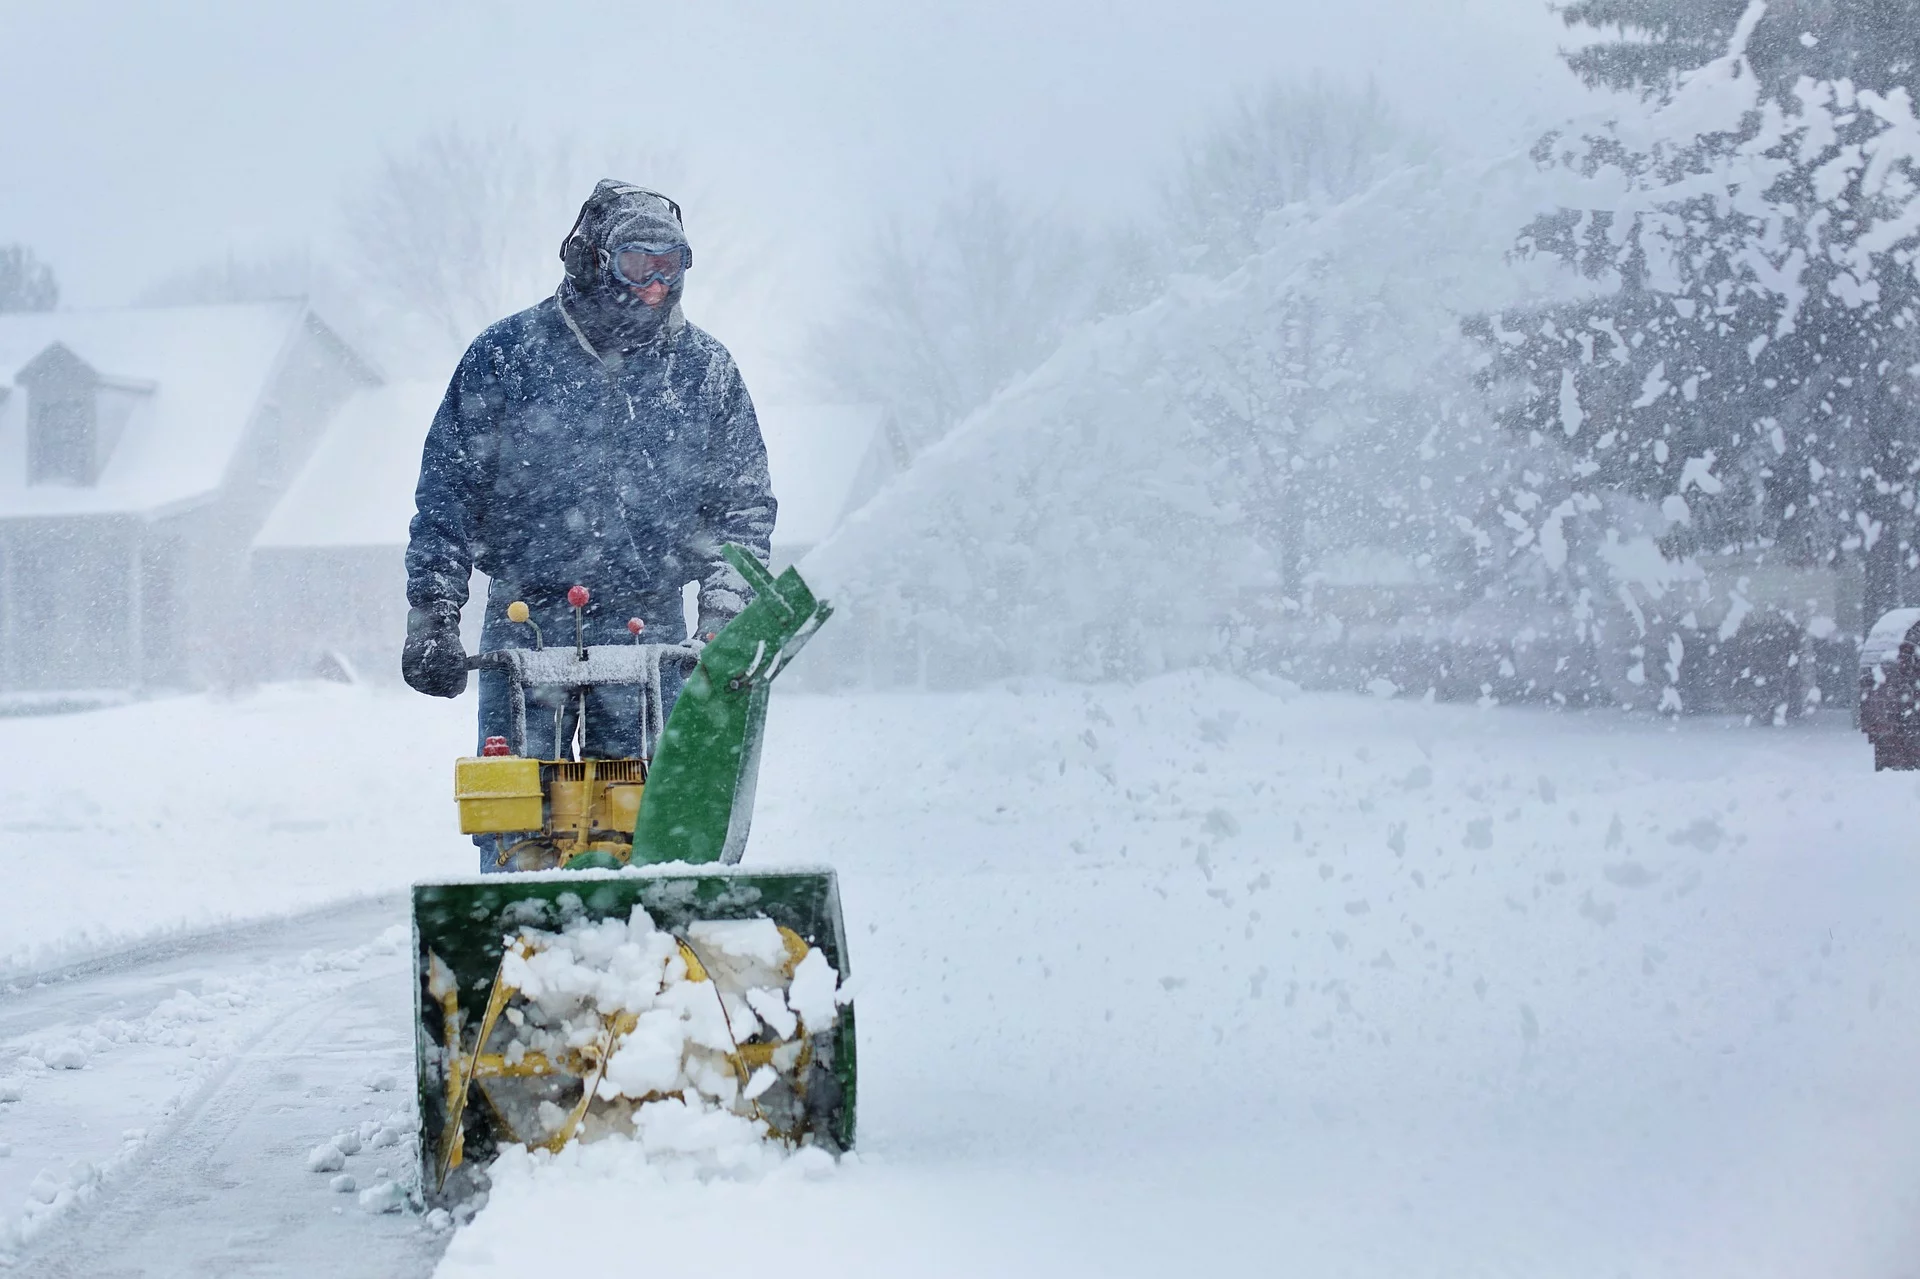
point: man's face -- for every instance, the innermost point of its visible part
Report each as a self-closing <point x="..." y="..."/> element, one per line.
<point x="648" y="270"/>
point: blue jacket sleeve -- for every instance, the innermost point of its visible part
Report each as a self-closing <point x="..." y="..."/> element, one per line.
<point x="737" y="503"/>
<point x="447" y="502"/>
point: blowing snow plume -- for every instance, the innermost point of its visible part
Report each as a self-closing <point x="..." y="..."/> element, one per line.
<point x="1158" y="491"/>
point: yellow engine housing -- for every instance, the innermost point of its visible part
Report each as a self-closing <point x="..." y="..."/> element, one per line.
<point x="504" y="794"/>
<point x="498" y="793"/>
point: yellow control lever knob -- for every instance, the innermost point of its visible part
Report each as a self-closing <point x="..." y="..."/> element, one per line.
<point x="517" y="611"/>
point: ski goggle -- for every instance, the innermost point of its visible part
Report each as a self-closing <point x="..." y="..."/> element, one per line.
<point x="642" y="264"/>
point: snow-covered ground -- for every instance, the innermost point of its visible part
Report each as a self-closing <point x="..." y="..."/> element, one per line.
<point x="186" y="813"/>
<point x="1176" y="978"/>
<point x="164" y="1107"/>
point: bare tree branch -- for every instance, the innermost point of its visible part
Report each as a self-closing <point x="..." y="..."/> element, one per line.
<point x="945" y="315"/>
<point x="1282" y="144"/>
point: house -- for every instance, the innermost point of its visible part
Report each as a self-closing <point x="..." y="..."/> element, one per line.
<point x="328" y="561"/>
<point x="140" y="451"/>
<point x="328" y="565"/>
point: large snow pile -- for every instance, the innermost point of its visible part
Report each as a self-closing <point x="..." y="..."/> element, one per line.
<point x="1109" y="514"/>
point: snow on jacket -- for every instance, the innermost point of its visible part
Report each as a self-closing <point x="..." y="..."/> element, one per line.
<point x="548" y="465"/>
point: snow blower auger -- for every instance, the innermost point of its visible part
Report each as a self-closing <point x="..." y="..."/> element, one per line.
<point x="625" y="975"/>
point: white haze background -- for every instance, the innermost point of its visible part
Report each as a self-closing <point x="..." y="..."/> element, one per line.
<point x="146" y="142"/>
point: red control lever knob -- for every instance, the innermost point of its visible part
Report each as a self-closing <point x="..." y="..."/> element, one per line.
<point x="635" y="626"/>
<point x="578" y="597"/>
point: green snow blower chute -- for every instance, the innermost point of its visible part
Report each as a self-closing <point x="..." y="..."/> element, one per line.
<point x="626" y="971"/>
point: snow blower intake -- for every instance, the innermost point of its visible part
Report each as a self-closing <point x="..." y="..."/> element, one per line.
<point x="623" y="974"/>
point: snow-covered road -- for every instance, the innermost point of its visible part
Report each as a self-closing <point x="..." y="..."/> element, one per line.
<point x="1166" y="980"/>
<point x="167" y="1099"/>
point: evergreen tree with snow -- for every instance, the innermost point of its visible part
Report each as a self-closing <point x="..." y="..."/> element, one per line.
<point x="1874" y="44"/>
<point x="1747" y="360"/>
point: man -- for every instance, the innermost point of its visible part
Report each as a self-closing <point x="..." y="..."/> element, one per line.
<point x="595" y="439"/>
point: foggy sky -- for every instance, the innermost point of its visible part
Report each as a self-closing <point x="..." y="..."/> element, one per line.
<point x="137" y="140"/>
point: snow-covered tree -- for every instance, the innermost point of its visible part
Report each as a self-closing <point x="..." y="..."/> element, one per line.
<point x="26" y="283"/>
<point x="944" y="315"/>
<point x="1644" y="46"/>
<point x="1261" y="171"/>
<point x="1284" y="144"/>
<point x="1748" y="362"/>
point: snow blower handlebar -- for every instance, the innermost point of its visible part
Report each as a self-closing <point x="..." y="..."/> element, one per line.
<point x="703" y="761"/>
<point x="581" y="669"/>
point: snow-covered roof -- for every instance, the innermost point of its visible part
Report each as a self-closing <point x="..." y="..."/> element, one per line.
<point x="357" y="488"/>
<point x="816" y="453"/>
<point x="207" y="366"/>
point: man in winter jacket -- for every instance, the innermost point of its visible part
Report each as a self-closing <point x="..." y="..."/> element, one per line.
<point x="595" y="439"/>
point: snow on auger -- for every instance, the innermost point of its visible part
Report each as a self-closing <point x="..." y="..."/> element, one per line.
<point x="626" y="975"/>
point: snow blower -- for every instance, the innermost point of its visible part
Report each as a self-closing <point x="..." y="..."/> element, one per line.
<point x="624" y="974"/>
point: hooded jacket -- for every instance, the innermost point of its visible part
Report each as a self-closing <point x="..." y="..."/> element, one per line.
<point x="622" y="465"/>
